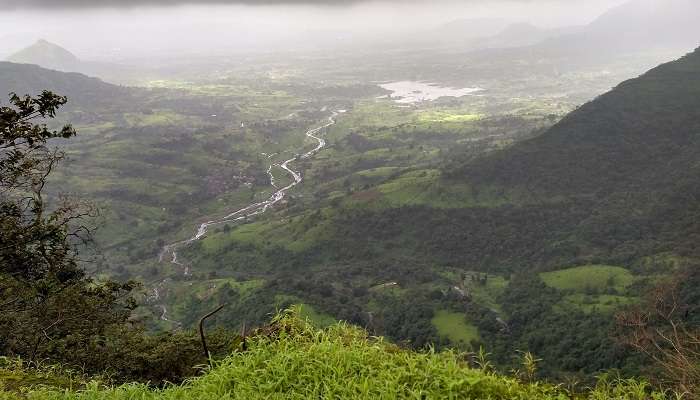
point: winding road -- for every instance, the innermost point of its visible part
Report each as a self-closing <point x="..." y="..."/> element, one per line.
<point x="170" y="251"/>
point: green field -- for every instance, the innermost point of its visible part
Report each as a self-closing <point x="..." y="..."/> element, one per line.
<point x="455" y="327"/>
<point x="589" y="278"/>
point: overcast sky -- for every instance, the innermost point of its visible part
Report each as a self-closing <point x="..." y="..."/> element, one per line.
<point x="75" y="4"/>
<point x="91" y="28"/>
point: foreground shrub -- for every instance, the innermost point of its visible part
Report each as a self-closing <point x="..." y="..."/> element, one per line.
<point x="289" y="359"/>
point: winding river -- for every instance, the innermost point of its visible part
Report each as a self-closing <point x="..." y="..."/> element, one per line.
<point x="169" y="252"/>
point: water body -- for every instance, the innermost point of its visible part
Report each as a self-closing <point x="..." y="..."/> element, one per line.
<point x="412" y="92"/>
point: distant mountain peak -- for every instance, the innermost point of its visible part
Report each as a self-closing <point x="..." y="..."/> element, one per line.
<point x="46" y="54"/>
<point x="650" y="22"/>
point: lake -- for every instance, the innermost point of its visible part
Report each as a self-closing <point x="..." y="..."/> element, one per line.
<point x="410" y="92"/>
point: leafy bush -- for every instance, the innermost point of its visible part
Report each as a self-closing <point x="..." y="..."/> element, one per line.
<point x="292" y="360"/>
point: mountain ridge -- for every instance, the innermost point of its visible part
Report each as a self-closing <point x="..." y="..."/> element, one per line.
<point x="48" y="55"/>
<point x="634" y="26"/>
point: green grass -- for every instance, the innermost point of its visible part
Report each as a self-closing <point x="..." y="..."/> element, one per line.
<point x="603" y="303"/>
<point x="15" y="377"/>
<point x="291" y="359"/>
<point x="454" y="326"/>
<point x="589" y="278"/>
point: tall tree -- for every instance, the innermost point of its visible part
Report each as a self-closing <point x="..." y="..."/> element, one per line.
<point x="44" y="294"/>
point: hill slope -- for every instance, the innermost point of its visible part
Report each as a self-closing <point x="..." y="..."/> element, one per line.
<point x="639" y="131"/>
<point x="80" y="89"/>
<point x="631" y="155"/>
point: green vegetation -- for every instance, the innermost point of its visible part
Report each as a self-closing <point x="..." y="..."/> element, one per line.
<point x="292" y="360"/>
<point x="308" y="313"/>
<point x="489" y="293"/>
<point x="589" y="278"/>
<point x="51" y="309"/>
<point x="603" y="303"/>
<point x="455" y="327"/>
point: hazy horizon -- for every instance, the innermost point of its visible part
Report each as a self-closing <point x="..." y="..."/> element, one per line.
<point x="136" y="31"/>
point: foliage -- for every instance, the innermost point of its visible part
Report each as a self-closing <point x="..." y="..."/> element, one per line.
<point x="33" y="243"/>
<point x="50" y="310"/>
<point x="289" y="359"/>
<point x="16" y="376"/>
<point x="48" y="302"/>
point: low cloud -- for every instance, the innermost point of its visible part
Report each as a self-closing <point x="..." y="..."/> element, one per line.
<point x="92" y="4"/>
<point x="87" y="4"/>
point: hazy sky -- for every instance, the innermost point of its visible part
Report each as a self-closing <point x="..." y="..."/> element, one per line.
<point x="98" y="28"/>
<point x="44" y="4"/>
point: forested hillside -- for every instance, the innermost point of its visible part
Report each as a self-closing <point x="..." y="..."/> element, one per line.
<point x="623" y="138"/>
<point x="80" y="89"/>
<point x="629" y="158"/>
